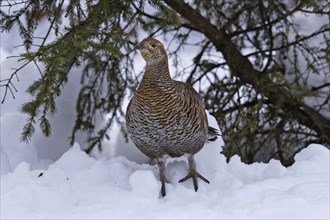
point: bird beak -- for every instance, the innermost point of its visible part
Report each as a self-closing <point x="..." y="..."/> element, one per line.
<point x="139" y="47"/>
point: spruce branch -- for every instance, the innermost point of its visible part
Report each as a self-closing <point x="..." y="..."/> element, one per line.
<point x="8" y="83"/>
<point x="248" y="59"/>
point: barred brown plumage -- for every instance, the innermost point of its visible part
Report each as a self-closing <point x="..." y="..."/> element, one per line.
<point x="165" y="116"/>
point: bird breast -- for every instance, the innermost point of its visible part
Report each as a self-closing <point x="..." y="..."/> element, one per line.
<point x="169" y="118"/>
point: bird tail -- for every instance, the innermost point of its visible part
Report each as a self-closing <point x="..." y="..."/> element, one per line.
<point x="213" y="134"/>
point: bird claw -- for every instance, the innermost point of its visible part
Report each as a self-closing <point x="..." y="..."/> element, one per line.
<point x="194" y="175"/>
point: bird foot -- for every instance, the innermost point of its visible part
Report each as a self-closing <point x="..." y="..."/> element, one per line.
<point x="194" y="175"/>
<point x="163" y="189"/>
<point x="162" y="176"/>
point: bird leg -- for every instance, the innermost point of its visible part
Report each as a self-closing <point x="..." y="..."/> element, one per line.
<point x="162" y="176"/>
<point x="193" y="173"/>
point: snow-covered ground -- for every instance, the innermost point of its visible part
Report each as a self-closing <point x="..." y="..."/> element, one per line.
<point x="77" y="186"/>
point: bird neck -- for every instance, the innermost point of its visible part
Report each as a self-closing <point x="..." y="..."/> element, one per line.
<point x="156" y="73"/>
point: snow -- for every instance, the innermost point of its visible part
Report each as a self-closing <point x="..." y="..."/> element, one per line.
<point x="77" y="186"/>
<point x="13" y="151"/>
<point x="307" y="24"/>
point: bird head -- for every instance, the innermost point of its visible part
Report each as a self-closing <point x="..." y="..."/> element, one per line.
<point x="152" y="50"/>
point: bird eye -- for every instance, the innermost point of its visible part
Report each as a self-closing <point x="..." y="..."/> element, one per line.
<point x="153" y="45"/>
